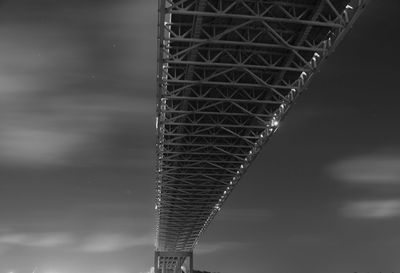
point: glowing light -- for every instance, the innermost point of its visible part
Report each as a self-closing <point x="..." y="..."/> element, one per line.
<point x="275" y="123"/>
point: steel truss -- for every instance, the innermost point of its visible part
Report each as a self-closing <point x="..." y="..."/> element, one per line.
<point x="229" y="71"/>
<point x="172" y="262"/>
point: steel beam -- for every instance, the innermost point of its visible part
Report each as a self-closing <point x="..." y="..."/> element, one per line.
<point x="228" y="73"/>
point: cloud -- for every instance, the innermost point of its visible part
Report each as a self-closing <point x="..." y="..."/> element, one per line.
<point x="372" y="209"/>
<point x="110" y="242"/>
<point x="67" y="96"/>
<point x="92" y="243"/>
<point x="151" y="270"/>
<point x="375" y="168"/>
<point x="379" y="170"/>
<point x="28" y="145"/>
<point x="46" y="240"/>
<point x="244" y="215"/>
<point x="69" y="131"/>
<point x="207" y="248"/>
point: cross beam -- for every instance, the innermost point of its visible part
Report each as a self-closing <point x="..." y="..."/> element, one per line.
<point x="172" y="262"/>
<point x="228" y="73"/>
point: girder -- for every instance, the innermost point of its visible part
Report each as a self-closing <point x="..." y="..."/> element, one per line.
<point x="228" y="73"/>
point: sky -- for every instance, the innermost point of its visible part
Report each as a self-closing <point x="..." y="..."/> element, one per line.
<point x="77" y="151"/>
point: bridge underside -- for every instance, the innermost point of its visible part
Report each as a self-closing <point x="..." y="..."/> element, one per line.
<point x="229" y="71"/>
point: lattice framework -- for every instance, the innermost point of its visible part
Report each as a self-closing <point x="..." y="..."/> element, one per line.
<point x="229" y="71"/>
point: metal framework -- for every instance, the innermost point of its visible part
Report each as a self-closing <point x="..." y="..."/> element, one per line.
<point x="228" y="72"/>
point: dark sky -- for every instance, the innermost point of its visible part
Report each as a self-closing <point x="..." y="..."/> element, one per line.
<point x="77" y="158"/>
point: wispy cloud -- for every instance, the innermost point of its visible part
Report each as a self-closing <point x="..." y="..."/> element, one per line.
<point x="110" y="242"/>
<point x="151" y="270"/>
<point x="244" y="215"/>
<point x="37" y="146"/>
<point x="373" y="168"/>
<point x="379" y="170"/>
<point x="207" y="247"/>
<point x="372" y="209"/>
<point x="46" y="240"/>
<point x="59" y="130"/>
<point x="64" y="103"/>
<point x="92" y="243"/>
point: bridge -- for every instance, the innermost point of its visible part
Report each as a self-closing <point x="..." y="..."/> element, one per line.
<point x="228" y="73"/>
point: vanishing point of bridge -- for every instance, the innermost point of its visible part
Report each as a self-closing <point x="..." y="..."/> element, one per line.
<point x="228" y="73"/>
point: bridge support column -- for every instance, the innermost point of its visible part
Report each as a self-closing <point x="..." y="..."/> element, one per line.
<point x="171" y="262"/>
